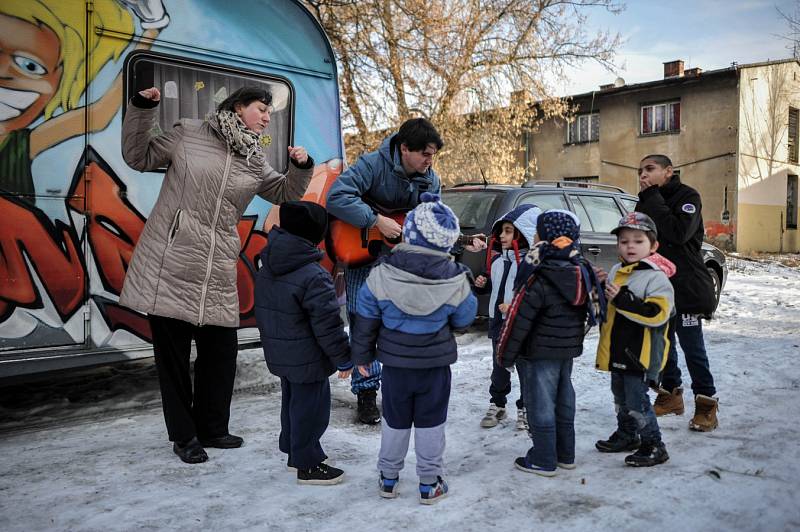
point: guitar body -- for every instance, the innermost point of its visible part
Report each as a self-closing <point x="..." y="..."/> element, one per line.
<point x="354" y="246"/>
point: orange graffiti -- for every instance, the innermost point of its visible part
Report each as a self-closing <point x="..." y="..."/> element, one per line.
<point x="252" y="242"/>
<point x="715" y="229"/>
<point x="113" y="224"/>
<point x="33" y="247"/>
<point x="52" y="249"/>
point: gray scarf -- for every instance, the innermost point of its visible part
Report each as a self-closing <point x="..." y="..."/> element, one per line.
<point x="239" y="138"/>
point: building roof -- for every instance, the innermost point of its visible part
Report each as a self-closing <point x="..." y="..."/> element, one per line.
<point x="732" y="70"/>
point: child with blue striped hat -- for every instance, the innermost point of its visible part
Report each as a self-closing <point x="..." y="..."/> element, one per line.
<point x="543" y="332"/>
<point x="405" y="316"/>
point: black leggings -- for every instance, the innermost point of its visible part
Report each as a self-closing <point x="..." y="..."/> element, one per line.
<point x="204" y="411"/>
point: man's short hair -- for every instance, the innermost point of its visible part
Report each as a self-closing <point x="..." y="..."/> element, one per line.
<point x="417" y="133"/>
<point x="661" y="160"/>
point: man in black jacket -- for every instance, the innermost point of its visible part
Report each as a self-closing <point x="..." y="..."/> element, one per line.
<point x="676" y="210"/>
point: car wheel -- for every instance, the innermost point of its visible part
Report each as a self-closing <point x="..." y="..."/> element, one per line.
<point x="717" y="284"/>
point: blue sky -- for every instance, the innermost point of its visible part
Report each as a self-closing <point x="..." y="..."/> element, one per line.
<point x="709" y="34"/>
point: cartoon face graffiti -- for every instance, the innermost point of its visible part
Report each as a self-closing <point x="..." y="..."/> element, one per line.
<point x="30" y="71"/>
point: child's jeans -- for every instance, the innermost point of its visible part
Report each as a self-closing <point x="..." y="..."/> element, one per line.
<point x="550" y="403"/>
<point x="500" y="385"/>
<point x="417" y="397"/>
<point x="634" y="412"/>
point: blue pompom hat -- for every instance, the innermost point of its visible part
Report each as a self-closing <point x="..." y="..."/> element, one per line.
<point x="431" y="224"/>
<point x="557" y="222"/>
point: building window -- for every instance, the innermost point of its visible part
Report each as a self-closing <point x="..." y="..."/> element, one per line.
<point x="791" y="202"/>
<point x="661" y="118"/>
<point x="585" y="128"/>
<point x="583" y="179"/>
<point x="193" y="89"/>
<point x="793" y="120"/>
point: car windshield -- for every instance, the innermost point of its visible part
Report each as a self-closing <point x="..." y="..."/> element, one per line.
<point x="471" y="206"/>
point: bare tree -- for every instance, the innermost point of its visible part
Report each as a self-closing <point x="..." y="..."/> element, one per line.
<point x="793" y="25"/>
<point x="764" y="122"/>
<point x="457" y="62"/>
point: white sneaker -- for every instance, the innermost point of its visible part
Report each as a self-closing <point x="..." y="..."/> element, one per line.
<point x="493" y="416"/>
<point x="522" y="419"/>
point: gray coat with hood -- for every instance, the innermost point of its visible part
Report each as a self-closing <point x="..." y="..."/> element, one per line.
<point x="184" y="264"/>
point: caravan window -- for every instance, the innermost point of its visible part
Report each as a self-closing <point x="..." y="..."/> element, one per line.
<point x="192" y="89"/>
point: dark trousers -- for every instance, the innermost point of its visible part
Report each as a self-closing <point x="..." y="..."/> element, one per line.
<point x="205" y="410"/>
<point x="305" y="414"/>
<point x="500" y="385"/>
<point x="689" y="330"/>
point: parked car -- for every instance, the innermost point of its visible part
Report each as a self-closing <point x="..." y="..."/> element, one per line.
<point x="598" y="206"/>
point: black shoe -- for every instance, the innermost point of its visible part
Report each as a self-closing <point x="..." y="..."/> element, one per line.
<point x="190" y="452"/>
<point x="618" y="443"/>
<point x="226" y="441"/>
<point x="368" y="412"/>
<point x="321" y="475"/>
<point x="649" y="454"/>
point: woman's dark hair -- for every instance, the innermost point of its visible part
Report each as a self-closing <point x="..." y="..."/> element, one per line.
<point x="661" y="160"/>
<point x="245" y="96"/>
<point x="417" y="133"/>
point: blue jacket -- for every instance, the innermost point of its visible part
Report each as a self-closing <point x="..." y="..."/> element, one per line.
<point x="297" y="312"/>
<point x="378" y="176"/>
<point x="408" y="308"/>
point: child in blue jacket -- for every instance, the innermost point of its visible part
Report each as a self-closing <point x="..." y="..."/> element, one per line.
<point x="302" y="335"/>
<point x="405" y="316"/>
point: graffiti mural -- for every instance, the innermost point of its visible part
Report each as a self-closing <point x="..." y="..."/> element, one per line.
<point x="71" y="211"/>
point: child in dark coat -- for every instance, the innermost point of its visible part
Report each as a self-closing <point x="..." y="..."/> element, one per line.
<point x="405" y="316"/>
<point x="544" y="332"/>
<point x="302" y="334"/>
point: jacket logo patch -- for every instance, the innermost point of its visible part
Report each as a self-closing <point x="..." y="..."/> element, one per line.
<point x="689" y="208"/>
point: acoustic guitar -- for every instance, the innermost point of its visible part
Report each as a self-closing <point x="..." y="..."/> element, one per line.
<point x="356" y="246"/>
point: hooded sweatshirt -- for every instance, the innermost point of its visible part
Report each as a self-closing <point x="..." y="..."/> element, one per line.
<point x="408" y="307"/>
<point x="503" y="264"/>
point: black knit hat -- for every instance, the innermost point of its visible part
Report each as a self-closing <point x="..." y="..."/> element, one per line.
<point x="304" y="219"/>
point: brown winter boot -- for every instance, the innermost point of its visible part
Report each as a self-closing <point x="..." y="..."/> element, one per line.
<point x="705" y="413"/>
<point x="669" y="403"/>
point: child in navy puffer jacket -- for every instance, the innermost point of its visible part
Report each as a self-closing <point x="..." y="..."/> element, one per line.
<point x="405" y="316"/>
<point x="544" y="331"/>
<point x="302" y="334"/>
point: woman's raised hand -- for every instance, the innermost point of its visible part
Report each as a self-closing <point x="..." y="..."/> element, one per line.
<point x="151" y="94"/>
<point x="299" y="154"/>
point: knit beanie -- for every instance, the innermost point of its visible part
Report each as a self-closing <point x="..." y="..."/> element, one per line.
<point x="431" y="224"/>
<point x="304" y="219"/>
<point x="556" y="223"/>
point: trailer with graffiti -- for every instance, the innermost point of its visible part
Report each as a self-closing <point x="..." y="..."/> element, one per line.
<point x="71" y="210"/>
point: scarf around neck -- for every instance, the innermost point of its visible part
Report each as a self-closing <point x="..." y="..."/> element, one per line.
<point x="239" y="138"/>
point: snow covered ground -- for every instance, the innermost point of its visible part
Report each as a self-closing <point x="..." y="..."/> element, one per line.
<point x="107" y="464"/>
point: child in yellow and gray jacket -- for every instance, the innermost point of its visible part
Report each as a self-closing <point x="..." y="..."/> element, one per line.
<point x="633" y="340"/>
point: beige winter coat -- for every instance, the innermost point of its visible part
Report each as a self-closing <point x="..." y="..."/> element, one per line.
<point x="184" y="265"/>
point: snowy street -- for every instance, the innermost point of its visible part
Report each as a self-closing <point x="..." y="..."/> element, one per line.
<point x="100" y="460"/>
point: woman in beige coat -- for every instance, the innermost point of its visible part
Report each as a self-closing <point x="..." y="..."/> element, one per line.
<point x="183" y="270"/>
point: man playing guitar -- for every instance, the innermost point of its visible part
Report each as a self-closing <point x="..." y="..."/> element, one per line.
<point x="394" y="176"/>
